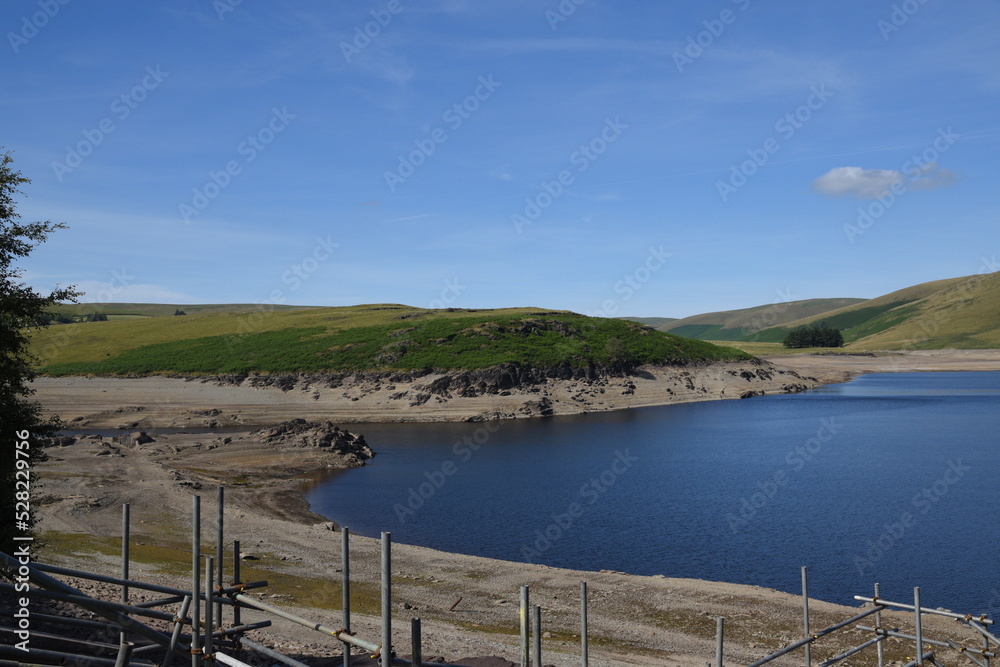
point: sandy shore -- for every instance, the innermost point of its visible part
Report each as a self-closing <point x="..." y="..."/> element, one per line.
<point x="173" y="402"/>
<point x="634" y="620"/>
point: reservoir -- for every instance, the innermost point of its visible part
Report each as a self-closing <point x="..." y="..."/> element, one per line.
<point x="889" y="478"/>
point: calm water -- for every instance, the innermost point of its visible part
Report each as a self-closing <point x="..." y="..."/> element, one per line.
<point x="890" y="478"/>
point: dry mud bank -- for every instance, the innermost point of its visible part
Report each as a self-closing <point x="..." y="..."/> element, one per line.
<point x="148" y="402"/>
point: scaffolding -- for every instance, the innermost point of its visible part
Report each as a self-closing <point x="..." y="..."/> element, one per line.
<point x="198" y="625"/>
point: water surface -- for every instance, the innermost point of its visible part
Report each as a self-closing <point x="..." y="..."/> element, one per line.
<point x="889" y="478"/>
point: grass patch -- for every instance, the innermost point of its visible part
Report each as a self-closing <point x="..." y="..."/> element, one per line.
<point x="542" y="341"/>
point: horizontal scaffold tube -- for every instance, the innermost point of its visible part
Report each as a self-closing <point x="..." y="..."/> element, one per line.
<point x="925" y="610"/>
<point x="295" y="618"/>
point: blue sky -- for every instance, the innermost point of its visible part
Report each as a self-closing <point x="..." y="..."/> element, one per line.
<point x="615" y="158"/>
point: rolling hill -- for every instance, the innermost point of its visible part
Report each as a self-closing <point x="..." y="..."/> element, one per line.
<point x="743" y="324"/>
<point x="370" y="338"/>
<point x="860" y="323"/>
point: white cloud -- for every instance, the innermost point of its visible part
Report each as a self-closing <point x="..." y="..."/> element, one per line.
<point x="857" y="182"/>
<point x="873" y="183"/>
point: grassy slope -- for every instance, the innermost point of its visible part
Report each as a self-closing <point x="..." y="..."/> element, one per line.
<point x="735" y="325"/>
<point x="962" y="314"/>
<point x="363" y="337"/>
<point x="953" y="313"/>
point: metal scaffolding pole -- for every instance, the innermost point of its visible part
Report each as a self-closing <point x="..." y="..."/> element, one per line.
<point x="720" y="629"/>
<point x="345" y="555"/>
<point x="385" y="652"/>
<point x="524" y="626"/>
<point x="416" y="650"/>
<point x="195" y="579"/>
<point x="220" y="544"/>
<point x="805" y="614"/>
<point x="125" y="561"/>
<point x="584" y="648"/>
<point x="878" y="624"/>
<point x="536" y="634"/>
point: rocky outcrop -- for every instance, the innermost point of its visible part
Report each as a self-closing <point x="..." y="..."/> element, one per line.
<point x="324" y="435"/>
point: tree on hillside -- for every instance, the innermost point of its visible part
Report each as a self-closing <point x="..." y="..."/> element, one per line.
<point x="21" y="310"/>
<point x="819" y="335"/>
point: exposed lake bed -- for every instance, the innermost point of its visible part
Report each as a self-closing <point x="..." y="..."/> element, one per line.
<point x="772" y="487"/>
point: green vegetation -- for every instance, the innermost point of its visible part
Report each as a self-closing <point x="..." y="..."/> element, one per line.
<point x="820" y="335"/>
<point x="536" y="340"/>
<point x="21" y="311"/>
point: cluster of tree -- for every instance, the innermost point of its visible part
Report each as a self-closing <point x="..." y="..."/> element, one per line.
<point x="179" y="312"/>
<point x="21" y="310"/>
<point x="45" y="319"/>
<point x="819" y="335"/>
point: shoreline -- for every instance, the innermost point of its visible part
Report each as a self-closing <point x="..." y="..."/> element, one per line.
<point x="635" y="619"/>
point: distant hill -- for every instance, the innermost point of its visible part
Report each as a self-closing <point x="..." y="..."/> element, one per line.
<point x="952" y="313"/>
<point x="655" y="322"/>
<point x="381" y="337"/>
<point x="745" y="323"/>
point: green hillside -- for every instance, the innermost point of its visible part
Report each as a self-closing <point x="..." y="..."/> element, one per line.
<point x="379" y="337"/>
<point x="866" y="318"/>
<point x="952" y="313"/>
<point x="655" y="322"/>
<point x="747" y="324"/>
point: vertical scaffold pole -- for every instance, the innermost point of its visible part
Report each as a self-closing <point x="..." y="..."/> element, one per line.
<point x="720" y="629"/>
<point x="195" y="578"/>
<point x="386" y="651"/>
<point x="878" y="626"/>
<point x="209" y="616"/>
<point x="919" y="631"/>
<point x="417" y="651"/>
<point x="536" y="634"/>
<point x="219" y="554"/>
<point x="805" y="614"/>
<point x="584" y="657"/>
<point x="524" y="626"/>
<point x="125" y="561"/>
<point x="237" y="620"/>
<point x="345" y="554"/>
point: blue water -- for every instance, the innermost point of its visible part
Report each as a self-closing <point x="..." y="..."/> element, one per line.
<point x="889" y="478"/>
